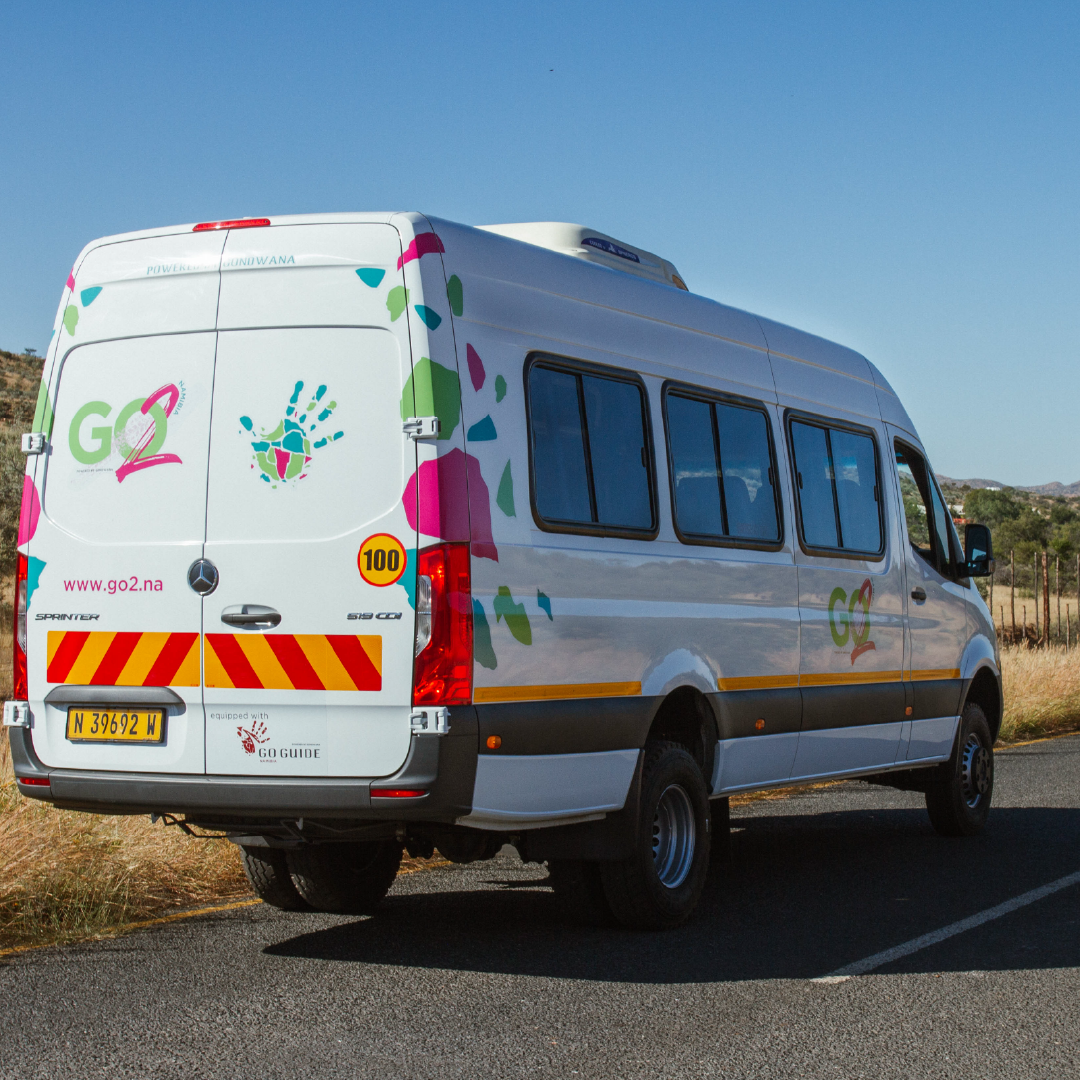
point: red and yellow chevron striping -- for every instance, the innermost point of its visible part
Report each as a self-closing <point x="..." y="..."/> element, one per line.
<point x="294" y="661"/>
<point x="102" y="658"/>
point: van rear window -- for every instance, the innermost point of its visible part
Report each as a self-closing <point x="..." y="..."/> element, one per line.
<point x="591" y="461"/>
<point x="721" y="467"/>
<point x="837" y="485"/>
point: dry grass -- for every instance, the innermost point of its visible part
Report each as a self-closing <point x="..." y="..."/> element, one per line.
<point x="1042" y="692"/>
<point x="67" y="876"/>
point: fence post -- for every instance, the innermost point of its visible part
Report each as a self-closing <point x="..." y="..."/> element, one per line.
<point x="1057" y="589"/>
<point x="1012" y="589"/>
<point x="1035" y="595"/>
<point x="1046" y="600"/>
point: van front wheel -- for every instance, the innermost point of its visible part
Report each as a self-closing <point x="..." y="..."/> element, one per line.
<point x="658" y="887"/>
<point x="960" y="805"/>
<point x="345" y="878"/>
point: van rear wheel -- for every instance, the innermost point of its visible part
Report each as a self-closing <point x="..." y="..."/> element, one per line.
<point x="960" y="805"/>
<point x="268" y="873"/>
<point x="659" y="886"/>
<point x="346" y="879"/>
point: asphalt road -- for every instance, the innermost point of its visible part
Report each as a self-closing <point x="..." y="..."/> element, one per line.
<point x="468" y="972"/>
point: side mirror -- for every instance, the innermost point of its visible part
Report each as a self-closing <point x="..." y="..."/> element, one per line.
<point x="978" y="551"/>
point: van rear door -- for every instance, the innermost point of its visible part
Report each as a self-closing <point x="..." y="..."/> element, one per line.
<point x="309" y="632"/>
<point x="123" y="498"/>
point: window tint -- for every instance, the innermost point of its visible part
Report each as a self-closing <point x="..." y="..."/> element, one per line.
<point x="748" y="489"/>
<point x="693" y="462"/>
<point x="814" y="478"/>
<point x="924" y="514"/>
<point x="617" y="447"/>
<point x="589" y="450"/>
<point x="721" y="465"/>
<point x="855" y="466"/>
<point x="562" y="484"/>
<point x="837" y="479"/>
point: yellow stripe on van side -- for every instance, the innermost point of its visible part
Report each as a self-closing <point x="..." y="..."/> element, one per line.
<point x="760" y="682"/>
<point x="484" y="694"/>
<point x="844" y="678"/>
<point x="925" y="674"/>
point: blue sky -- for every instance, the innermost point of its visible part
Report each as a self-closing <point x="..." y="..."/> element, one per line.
<point x="903" y="178"/>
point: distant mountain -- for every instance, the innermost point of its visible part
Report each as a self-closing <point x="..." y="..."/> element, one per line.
<point x="1055" y="489"/>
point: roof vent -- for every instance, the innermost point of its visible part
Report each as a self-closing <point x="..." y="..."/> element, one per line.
<point x="593" y="246"/>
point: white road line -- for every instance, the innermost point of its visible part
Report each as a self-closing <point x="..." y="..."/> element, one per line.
<point x="861" y="967"/>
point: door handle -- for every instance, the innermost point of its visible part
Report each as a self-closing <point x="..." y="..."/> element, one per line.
<point x="251" y="616"/>
<point x="918" y="594"/>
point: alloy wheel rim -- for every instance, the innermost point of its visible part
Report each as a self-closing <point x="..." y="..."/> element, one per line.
<point x="674" y="836"/>
<point x="976" y="771"/>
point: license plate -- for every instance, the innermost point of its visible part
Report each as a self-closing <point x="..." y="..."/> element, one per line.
<point x="115" y="725"/>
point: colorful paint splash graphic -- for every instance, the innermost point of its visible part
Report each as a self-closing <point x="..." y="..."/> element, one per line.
<point x="283" y="454"/>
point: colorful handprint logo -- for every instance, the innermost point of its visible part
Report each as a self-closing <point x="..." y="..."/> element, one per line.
<point x="283" y="454"/>
<point x="250" y="736"/>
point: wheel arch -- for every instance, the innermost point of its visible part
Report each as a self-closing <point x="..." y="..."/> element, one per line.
<point x="984" y="690"/>
<point x="686" y="716"/>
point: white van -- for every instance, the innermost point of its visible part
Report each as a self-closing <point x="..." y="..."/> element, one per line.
<point x="355" y="533"/>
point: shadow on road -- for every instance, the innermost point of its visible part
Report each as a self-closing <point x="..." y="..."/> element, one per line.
<point x="801" y="896"/>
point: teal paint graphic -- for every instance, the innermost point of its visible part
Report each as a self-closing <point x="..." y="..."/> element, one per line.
<point x="483" y="431"/>
<point x="514" y="614"/>
<point x="483" y="651"/>
<point x="34" y="568"/>
<point x="283" y="454"/>
<point x="433" y="390"/>
<point x="504" y="497"/>
<point x="88" y="296"/>
<point x="429" y="315"/>
<point x="397" y="300"/>
<point x="408" y="580"/>
<point x="371" y="276"/>
<point x="455" y="295"/>
<point x="500" y="388"/>
<point x="543" y="601"/>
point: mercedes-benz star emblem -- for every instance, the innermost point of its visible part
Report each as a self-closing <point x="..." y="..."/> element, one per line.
<point x="202" y="576"/>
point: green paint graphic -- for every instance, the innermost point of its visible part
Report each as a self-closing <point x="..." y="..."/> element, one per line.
<point x="433" y="390"/>
<point x="482" y="648"/>
<point x="43" y="414"/>
<point x="514" y="614"/>
<point x="397" y="300"/>
<point x="455" y="295"/>
<point x="103" y="435"/>
<point x="500" y="388"/>
<point x="504" y="498"/>
<point x="71" y="319"/>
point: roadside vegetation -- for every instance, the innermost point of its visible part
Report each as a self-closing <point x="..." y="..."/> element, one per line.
<point x="68" y="876"/>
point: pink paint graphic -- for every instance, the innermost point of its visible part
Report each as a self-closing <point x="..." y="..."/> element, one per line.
<point x="425" y="244"/>
<point x="30" y="511"/>
<point x="445" y="490"/>
<point x="476" y="367"/>
<point x="71" y="280"/>
<point x="135" y="461"/>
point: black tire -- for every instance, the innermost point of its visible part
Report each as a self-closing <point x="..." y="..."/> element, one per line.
<point x="960" y="804"/>
<point x="579" y="892"/>
<point x="346" y="879"/>
<point x="658" y="887"/>
<point x="268" y="873"/>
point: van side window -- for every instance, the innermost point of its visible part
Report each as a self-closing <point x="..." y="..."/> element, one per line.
<point x="836" y="474"/>
<point x="721" y="468"/>
<point x="928" y="523"/>
<point x="590" y="456"/>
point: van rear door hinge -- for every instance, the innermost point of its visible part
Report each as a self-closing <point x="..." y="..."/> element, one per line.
<point x="435" y="722"/>
<point x="16" y="714"/>
<point x="34" y="443"/>
<point x="422" y="427"/>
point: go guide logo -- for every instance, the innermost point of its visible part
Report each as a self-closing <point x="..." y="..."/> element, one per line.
<point x="849" y="618"/>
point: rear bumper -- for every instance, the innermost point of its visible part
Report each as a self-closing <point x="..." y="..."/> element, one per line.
<point x="442" y="765"/>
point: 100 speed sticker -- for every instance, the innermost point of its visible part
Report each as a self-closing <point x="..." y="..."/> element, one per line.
<point x="381" y="559"/>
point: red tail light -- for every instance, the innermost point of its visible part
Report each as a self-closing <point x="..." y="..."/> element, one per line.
<point x="34" y="781"/>
<point x="442" y="672"/>
<point x="397" y="793"/>
<point x="238" y="223"/>
<point x="18" y="645"/>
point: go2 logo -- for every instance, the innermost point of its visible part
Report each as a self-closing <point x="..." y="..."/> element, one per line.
<point x="852" y="621"/>
<point x="138" y="433"/>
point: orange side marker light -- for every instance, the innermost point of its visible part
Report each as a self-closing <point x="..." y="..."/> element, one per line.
<point x="494" y="742"/>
